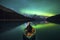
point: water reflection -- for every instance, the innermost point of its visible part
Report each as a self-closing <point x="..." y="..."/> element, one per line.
<point x="47" y="31"/>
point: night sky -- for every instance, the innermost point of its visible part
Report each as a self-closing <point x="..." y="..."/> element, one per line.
<point x="49" y="31"/>
<point x="38" y="7"/>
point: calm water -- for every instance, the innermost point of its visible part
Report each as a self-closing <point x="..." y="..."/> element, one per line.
<point x="49" y="31"/>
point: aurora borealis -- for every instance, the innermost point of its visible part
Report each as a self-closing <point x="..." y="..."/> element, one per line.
<point x="32" y="12"/>
<point x="38" y="7"/>
<point x="48" y="31"/>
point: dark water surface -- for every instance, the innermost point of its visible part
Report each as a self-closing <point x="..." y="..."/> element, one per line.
<point x="49" y="31"/>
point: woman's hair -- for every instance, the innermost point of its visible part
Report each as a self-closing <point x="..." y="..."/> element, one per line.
<point x="29" y="28"/>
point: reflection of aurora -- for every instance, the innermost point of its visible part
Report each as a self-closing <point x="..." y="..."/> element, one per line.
<point x="39" y="26"/>
<point x="42" y="27"/>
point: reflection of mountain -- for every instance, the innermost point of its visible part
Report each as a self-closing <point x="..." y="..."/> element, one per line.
<point x="10" y="19"/>
<point x="54" y="19"/>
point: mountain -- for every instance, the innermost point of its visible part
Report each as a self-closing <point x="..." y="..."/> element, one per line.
<point x="10" y="19"/>
<point x="6" y="13"/>
<point x="54" y="19"/>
